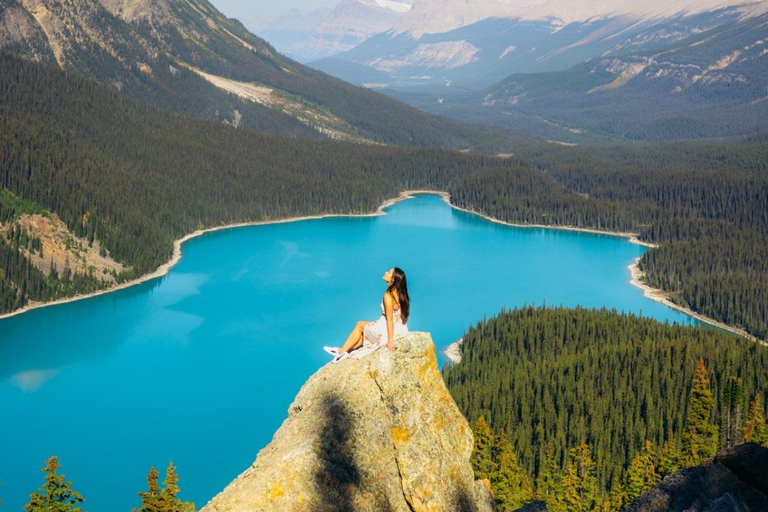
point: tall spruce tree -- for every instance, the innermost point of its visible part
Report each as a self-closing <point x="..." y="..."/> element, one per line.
<point x="56" y="494"/>
<point x="700" y="435"/>
<point x="669" y="456"/>
<point x="482" y="454"/>
<point x="150" y="500"/>
<point x="579" y="489"/>
<point x="168" y="500"/>
<point x="755" y="429"/>
<point x="547" y="481"/>
<point x="642" y="474"/>
<point x="618" y="498"/>
<point x="511" y="487"/>
<point x="733" y="397"/>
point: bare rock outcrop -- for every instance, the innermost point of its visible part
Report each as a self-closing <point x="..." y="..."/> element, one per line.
<point x="735" y="480"/>
<point x="378" y="434"/>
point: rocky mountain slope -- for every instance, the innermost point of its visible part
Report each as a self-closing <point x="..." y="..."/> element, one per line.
<point x="445" y="44"/>
<point x="436" y="16"/>
<point x="376" y="434"/>
<point x="184" y="55"/>
<point x="712" y="83"/>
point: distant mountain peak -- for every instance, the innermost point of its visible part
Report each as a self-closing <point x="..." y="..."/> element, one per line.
<point x="321" y="34"/>
<point x="438" y="16"/>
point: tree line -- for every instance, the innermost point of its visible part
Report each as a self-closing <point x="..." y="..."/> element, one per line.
<point x="551" y="379"/>
<point x="58" y="495"/>
<point x="136" y="178"/>
<point x="704" y="203"/>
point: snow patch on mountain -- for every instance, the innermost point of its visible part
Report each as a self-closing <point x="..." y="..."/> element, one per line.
<point x="400" y="7"/>
<point x="507" y="51"/>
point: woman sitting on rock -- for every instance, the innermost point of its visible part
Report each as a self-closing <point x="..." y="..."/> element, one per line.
<point x="369" y="336"/>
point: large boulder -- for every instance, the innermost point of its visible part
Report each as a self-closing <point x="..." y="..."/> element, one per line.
<point x="379" y="434"/>
<point x="735" y="480"/>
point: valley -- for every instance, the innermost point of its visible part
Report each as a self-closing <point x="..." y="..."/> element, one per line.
<point x="129" y="127"/>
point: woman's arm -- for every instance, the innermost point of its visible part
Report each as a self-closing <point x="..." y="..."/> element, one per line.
<point x="389" y="308"/>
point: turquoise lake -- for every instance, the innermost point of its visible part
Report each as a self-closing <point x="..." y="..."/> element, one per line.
<point x="200" y="366"/>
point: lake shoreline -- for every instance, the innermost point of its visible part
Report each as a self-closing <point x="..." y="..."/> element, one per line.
<point x="453" y="351"/>
<point x="454" y="348"/>
<point x="167" y="266"/>
<point x="663" y="297"/>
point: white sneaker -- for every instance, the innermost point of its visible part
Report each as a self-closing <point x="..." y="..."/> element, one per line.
<point x="340" y="357"/>
<point x="334" y="351"/>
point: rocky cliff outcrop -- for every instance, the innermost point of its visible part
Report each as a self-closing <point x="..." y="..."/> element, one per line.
<point x="736" y="480"/>
<point x="378" y="434"/>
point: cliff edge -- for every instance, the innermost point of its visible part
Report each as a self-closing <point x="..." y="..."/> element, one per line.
<point x="378" y="434"/>
<point x="736" y="480"/>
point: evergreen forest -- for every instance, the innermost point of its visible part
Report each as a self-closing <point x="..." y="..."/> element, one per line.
<point x="135" y="178"/>
<point x="558" y="389"/>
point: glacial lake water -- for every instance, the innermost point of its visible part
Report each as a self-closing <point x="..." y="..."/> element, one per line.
<point x="200" y="366"/>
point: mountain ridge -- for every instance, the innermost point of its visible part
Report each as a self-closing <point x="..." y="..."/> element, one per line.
<point x="486" y="47"/>
<point x="145" y="49"/>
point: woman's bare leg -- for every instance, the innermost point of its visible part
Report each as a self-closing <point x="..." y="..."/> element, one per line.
<point x="355" y="338"/>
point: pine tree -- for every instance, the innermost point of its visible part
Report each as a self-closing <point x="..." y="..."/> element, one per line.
<point x="546" y="483"/>
<point x="512" y="489"/>
<point x="167" y="498"/>
<point x="669" y="457"/>
<point x="733" y="396"/>
<point x="150" y="500"/>
<point x="618" y="496"/>
<point x="700" y="436"/>
<point x="579" y="484"/>
<point x="482" y="458"/>
<point x="642" y="474"/>
<point x="755" y="429"/>
<point x="56" y="495"/>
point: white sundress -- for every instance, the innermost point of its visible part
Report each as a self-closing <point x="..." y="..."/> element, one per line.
<point x="375" y="333"/>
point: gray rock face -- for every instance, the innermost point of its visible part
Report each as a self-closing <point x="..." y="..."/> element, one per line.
<point x="534" y="506"/>
<point x="380" y="434"/>
<point x="735" y="481"/>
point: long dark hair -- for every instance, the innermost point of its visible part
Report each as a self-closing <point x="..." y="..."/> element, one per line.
<point x="400" y="284"/>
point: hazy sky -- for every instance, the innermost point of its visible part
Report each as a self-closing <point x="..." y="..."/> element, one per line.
<point x="266" y="10"/>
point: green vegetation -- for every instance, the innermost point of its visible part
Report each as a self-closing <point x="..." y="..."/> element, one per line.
<point x="147" y="59"/>
<point x="11" y="207"/>
<point x="755" y="429"/>
<point x="700" y="436"/>
<point x="705" y="203"/>
<point x="165" y="499"/>
<point x="683" y="95"/>
<point x="557" y="379"/>
<point x="136" y="178"/>
<point x="56" y="494"/>
<point x="494" y="459"/>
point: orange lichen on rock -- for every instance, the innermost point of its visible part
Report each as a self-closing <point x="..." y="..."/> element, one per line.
<point x="400" y="435"/>
<point x="276" y="491"/>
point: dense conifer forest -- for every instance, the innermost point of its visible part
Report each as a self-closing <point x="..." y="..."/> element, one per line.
<point x="136" y="178"/>
<point x="576" y="386"/>
<point x="705" y="203"/>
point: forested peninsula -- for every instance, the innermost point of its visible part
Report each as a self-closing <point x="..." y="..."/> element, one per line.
<point x="132" y="179"/>
<point x="625" y="399"/>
